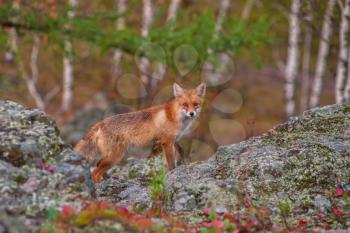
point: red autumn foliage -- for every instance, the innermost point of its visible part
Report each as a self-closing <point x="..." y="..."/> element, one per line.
<point x="67" y="211"/>
<point x="337" y="212"/>
<point x="206" y="211"/>
<point x="49" y="169"/>
<point x="152" y="222"/>
<point x="339" y="192"/>
<point x="217" y="224"/>
<point x="103" y="205"/>
<point x="302" y="223"/>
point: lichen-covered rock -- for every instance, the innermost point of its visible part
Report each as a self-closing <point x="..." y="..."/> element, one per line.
<point x="125" y="192"/>
<point x="299" y="162"/>
<point x="129" y="183"/>
<point x="27" y="135"/>
<point x="37" y="170"/>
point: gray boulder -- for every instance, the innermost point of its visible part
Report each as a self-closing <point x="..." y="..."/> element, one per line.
<point x="37" y="171"/>
<point x="297" y="163"/>
<point x="27" y="135"/>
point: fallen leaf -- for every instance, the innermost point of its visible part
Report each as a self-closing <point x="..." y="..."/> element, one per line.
<point x="339" y="192"/>
<point x="337" y="212"/>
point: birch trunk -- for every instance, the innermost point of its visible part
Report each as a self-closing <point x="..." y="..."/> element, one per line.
<point x="68" y="76"/>
<point x="212" y="75"/>
<point x="34" y="59"/>
<point x="120" y="25"/>
<point x="323" y="51"/>
<point x="30" y="82"/>
<point x="147" y="20"/>
<point x="306" y="59"/>
<point x="172" y="12"/>
<point x="342" y="68"/>
<point x="247" y="9"/>
<point x="161" y="68"/>
<point x="224" y="6"/>
<point x="291" y="70"/>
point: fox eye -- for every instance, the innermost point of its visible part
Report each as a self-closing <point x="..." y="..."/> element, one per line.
<point x="185" y="105"/>
<point x="196" y="104"/>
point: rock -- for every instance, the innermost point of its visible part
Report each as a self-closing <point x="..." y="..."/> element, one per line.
<point x="11" y="224"/>
<point x="125" y="193"/>
<point x="37" y="170"/>
<point x="184" y="201"/>
<point x="27" y="136"/>
<point x="322" y="203"/>
<point x="297" y="162"/>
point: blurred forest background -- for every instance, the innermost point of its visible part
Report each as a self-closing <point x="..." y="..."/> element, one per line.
<point x="263" y="60"/>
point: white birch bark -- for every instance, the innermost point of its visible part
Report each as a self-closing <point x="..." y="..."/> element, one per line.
<point x="147" y="19"/>
<point x="306" y="59"/>
<point x="247" y="9"/>
<point x="224" y="6"/>
<point x="34" y="59"/>
<point x="210" y="72"/>
<point x="291" y="71"/>
<point x="30" y="82"/>
<point x="68" y="76"/>
<point x="342" y="68"/>
<point x="120" y="25"/>
<point x="161" y="68"/>
<point x="323" y="51"/>
<point x="172" y="12"/>
<point x="8" y="56"/>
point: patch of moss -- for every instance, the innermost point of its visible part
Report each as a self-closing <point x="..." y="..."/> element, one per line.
<point x="346" y="109"/>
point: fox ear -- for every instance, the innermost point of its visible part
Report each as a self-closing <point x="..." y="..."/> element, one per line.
<point x="201" y="90"/>
<point x="178" y="91"/>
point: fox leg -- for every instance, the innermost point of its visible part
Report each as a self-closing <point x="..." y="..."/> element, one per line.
<point x="168" y="147"/>
<point x="180" y="155"/>
<point x="111" y="158"/>
<point x="103" y="166"/>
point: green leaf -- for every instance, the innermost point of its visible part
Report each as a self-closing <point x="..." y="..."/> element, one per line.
<point x="52" y="213"/>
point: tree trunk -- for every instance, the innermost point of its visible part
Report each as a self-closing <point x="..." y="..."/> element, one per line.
<point x="120" y="25"/>
<point x="323" y="51"/>
<point x="247" y="9"/>
<point x="30" y="83"/>
<point x="224" y="6"/>
<point x="174" y="5"/>
<point x="147" y="20"/>
<point x="68" y="76"/>
<point x="306" y="59"/>
<point x="291" y="71"/>
<point x="342" y="68"/>
<point x="211" y="73"/>
<point x="34" y="59"/>
<point x="161" y="68"/>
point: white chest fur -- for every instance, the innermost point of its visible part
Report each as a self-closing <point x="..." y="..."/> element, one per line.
<point x="185" y="128"/>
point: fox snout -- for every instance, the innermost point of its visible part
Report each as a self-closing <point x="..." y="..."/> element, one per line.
<point x="190" y="114"/>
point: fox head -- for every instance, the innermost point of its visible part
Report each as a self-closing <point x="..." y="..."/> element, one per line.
<point x="189" y="100"/>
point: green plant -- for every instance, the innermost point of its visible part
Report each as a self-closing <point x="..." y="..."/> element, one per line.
<point x="157" y="186"/>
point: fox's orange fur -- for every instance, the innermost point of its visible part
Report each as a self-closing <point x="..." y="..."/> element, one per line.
<point x="160" y="125"/>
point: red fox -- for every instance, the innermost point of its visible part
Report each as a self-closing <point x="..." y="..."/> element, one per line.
<point x="159" y="126"/>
